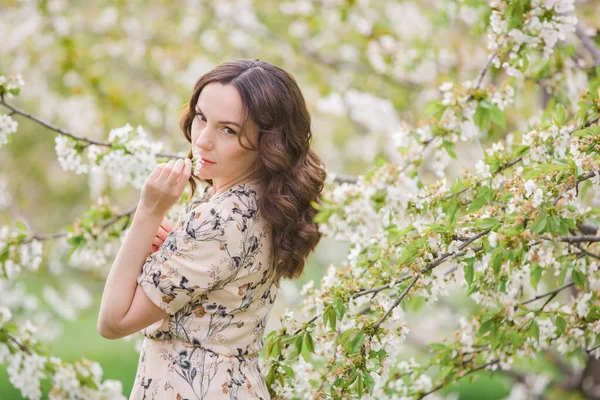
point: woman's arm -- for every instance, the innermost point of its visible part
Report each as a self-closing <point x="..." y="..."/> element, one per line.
<point x="121" y="285"/>
<point x="125" y="309"/>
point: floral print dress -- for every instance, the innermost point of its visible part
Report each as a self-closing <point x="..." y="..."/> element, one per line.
<point x="213" y="275"/>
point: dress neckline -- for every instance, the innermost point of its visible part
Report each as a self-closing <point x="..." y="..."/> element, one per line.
<point x="209" y="197"/>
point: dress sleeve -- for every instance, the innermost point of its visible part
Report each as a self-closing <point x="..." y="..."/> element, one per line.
<point x="201" y="255"/>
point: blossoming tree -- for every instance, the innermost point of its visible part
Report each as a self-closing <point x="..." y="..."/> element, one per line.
<point x="502" y="254"/>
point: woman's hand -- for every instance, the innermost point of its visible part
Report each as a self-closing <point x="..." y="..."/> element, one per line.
<point x="164" y="186"/>
<point x="161" y="235"/>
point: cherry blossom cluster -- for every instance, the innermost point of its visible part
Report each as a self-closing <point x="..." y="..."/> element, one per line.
<point x="7" y="126"/>
<point x="20" y="255"/>
<point x="132" y="157"/>
<point x="81" y="379"/>
<point x="516" y="32"/>
<point x="9" y="87"/>
<point x="360" y="209"/>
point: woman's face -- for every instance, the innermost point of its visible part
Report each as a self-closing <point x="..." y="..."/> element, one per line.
<point x="215" y="133"/>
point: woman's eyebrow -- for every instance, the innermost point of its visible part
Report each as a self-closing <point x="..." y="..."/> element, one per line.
<point x="221" y="122"/>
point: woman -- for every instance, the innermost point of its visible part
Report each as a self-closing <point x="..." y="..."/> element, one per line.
<point x="203" y="297"/>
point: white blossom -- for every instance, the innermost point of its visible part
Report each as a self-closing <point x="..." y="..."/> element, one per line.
<point x="68" y="157"/>
<point x="7" y="126"/>
<point x="483" y="169"/>
<point x="538" y="198"/>
<point x="583" y="307"/>
<point x="530" y="187"/>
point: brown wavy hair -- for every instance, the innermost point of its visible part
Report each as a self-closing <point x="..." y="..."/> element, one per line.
<point x="293" y="175"/>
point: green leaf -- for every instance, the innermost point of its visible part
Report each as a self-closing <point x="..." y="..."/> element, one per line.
<point x="323" y="216"/>
<point x="496" y="260"/>
<point x="415" y="303"/>
<point x="327" y="315"/>
<point x="580" y="133"/>
<point x="355" y="344"/>
<point x="485" y="327"/>
<point x="562" y="276"/>
<point x="515" y="338"/>
<point x="535" y="276"/>
<point x="270" y="378"/>
<point x="273" y="348"/>
<point x="339" y="307"/>
<point x="585" y="186"/>
<point x="477" y="204"/>
<point x="482" y="117"/>
<point x="578" y="278"/>
<point x="436" y="346"/>
<point x="451" y="213"/>
<point x="434" y="108"/>
<point x="469" y="273"/>
<point x="409" y="252"/>
<point x="298" y="343"/>
<point x="553" y="224"/>
<point x="534" y="330"/>
<point x="498" y="116"/>
<point x="289" y="371"/>
<point x="308" y="342"/>
<point x="516" y="16"/>
<point x="525" y="65"/>
<point x="21" y="226"/>
<point x="539" y="224"/>
<point x="487" y="223"/>
<point x="561" y="325"/>
<point x="369" y="381"/>
<point x="564" y="224"/>
<point x="449" y="146"/>
<point x="359" y="385"/>
<point x="495" y="336"/>
<point x="332" y="320"/>
<point x="521" y="150"/>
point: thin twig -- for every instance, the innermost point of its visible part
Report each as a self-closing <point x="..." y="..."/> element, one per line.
<point x="398" y="300"/>
<point x="65" y="133"/>
<point x="552" y="293"/>
<point x="579" y="239"/>
<point x="58" y="235"/>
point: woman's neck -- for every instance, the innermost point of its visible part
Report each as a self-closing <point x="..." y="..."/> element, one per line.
<point x="215" y="190"/>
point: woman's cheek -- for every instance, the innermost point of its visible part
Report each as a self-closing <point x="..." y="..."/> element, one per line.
<point x="234" y="154"/>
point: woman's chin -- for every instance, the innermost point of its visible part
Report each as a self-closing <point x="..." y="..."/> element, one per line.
<point x="205" y="175"/>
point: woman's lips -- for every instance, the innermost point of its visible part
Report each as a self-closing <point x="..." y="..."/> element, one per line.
<point x="206" y="162"/>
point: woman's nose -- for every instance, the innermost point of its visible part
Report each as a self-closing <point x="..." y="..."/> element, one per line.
<point x="204" y="141"/>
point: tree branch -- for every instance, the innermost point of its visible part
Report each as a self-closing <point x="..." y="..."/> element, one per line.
<point x="552" y="293"/>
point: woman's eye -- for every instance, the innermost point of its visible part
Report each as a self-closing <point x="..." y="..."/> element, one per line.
<point x="227" y="130"/>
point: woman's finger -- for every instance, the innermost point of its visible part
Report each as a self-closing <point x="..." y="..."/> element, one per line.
<point x="157" y="241"/>
<point x="157" y="170"/>
<point x="166" y="171"/>
<point x="175" y="172"/>
<point x="166" y="225"/>
<point x="162" y="234"/>
<point x="184" y="175"/>
<point x="184" y="170"/>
